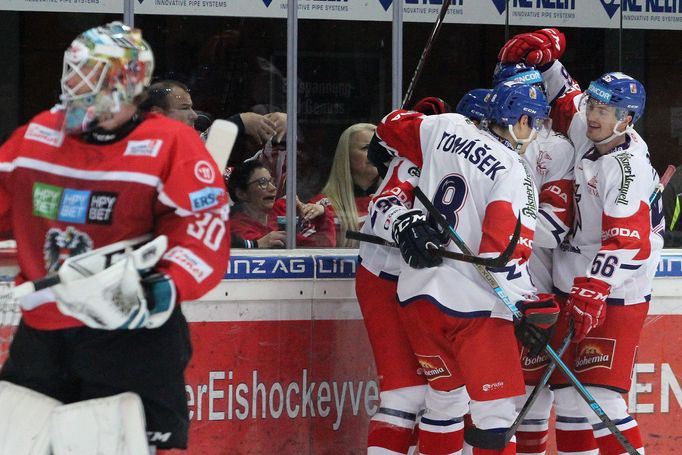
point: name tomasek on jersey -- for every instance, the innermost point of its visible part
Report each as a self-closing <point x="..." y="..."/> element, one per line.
<point x="473" y="150"/>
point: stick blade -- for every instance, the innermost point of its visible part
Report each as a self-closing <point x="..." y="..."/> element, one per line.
<point x="485" y="439"/>
<point x="221" y="138"/>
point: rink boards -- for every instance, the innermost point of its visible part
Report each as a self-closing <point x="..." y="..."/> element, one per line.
<point x="282" y="363"/>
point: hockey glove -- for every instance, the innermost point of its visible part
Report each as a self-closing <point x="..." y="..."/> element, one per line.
<point x="535" y="328"/>
<point x="432" y="106"/>
<point x="159" y="291"/>
<point x="415" y="237"/>
<point x="536" y="48"/>
<point x="111" y="299"/>
<point x="587" y="305"/>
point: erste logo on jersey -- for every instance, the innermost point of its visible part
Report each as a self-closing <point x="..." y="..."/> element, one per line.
<point x="203" y="171"/>
<point x="73" y="206"/>
<point x="206" y="198"/>
<point x="149" y="147"/>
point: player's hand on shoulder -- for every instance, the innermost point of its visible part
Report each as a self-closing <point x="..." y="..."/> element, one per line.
<point x="535" y="48"/>
<point x="587" y="305"/>
<point x="415" y="236"/>
<point x="535" y="328"/>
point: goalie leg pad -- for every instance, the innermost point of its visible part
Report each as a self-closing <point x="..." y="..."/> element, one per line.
<point x="105" y="426"/>
<point x="24" y="420"/>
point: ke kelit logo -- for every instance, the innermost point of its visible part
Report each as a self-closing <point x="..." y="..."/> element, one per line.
<point x="595" y="353"/>
<point x="532" y="363"/>
<point x="73" y="206"/>
<point x="60" y="245"/>
<point x="433" y="367"/>
<point x="529" y="4"/>
<point x="204" y="172"/>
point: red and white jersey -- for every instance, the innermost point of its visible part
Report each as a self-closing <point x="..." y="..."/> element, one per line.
<point x="63" y="196"/>
<point x="550" y="159"/>
<point x="480" y="186"/>
<point x="616" y="235"/>
<point x="394" y="195"/>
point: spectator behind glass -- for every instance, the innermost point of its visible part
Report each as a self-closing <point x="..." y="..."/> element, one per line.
<point x="172" y="99"/>
<point x="259" y="217"/>
<point x="353" y="179"/>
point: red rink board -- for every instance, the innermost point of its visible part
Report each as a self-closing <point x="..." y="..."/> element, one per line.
<point x="336" y="353"/>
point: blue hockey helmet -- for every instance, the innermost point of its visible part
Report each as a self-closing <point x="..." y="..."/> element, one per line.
<point x="474" y="104"/>
<point x="518" y="72"/>
<point x="619" y="90"/>
<point x="510" y="100"/>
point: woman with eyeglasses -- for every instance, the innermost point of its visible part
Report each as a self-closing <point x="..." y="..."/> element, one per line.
<point x="258" y="216"/>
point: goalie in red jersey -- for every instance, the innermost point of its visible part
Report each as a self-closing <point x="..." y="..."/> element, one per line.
<point x="94" y="173"/>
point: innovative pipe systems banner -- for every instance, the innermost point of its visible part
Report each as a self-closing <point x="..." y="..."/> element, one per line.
<point x="641" y="14"/>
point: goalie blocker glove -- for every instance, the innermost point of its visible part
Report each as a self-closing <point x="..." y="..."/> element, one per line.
<point x="415" y="236"/>
<point x="587" y="305"/>
<point x="535" y="48"/>
<point x="535" y="328"/>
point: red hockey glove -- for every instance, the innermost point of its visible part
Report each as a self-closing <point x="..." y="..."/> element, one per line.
<point x="535" y="328"/>
<point x="416" y="237"/>
<point x="587" y="305"/>
<point x="431" y="106"/>
<point x="536" y="48"/>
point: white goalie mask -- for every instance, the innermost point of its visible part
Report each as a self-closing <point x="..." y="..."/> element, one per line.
<point x="104" y="68"/>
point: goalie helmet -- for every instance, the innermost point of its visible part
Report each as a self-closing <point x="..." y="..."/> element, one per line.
<point x="474" y="104"/>
<point x="621" y="91"/>
<point x="104" y="67"/>
<point x="510" y="100"/>
<point x="518" y="72"/>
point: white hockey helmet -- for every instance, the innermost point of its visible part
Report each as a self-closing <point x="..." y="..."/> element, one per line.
<point x="104" y="67"/>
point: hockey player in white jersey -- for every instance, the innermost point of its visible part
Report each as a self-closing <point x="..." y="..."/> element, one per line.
<point x="401" y="386"/>
<point x="550" y="159"/>
<point x="460" y="332"/>
<point x="606" y="266"/>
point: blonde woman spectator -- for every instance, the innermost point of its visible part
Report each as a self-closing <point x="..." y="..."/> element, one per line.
<point x="352" y="181"/>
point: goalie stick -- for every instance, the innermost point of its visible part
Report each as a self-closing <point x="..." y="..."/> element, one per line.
<point x="554" y="357"/>
<point x="497" y="441"/>
<point x="94" y="261"/>
<point x="220" y="141"/>
<point x="499" y="261"/>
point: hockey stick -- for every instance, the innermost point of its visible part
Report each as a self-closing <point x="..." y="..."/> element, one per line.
<point x="94" y="261"/>
<point x="499" y="261"/>
<point x="221" y="138"/>
<point x="665" y="178"/>
<point x="425" y="53"/>
<point x="497" y="441"/>
<point x="492" y="282"/>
